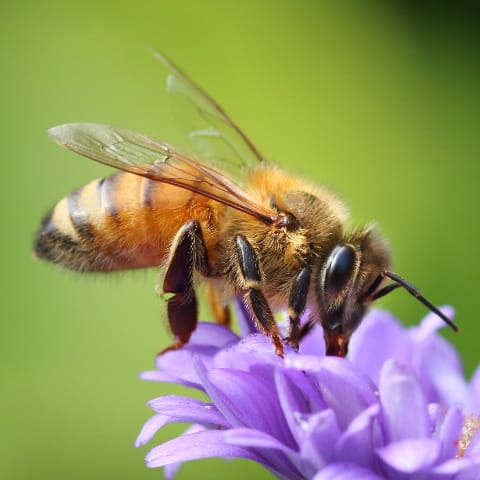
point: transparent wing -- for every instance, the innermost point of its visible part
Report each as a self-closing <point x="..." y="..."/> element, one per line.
<point x="139" y="154"/>
<point x="208" y="128"/>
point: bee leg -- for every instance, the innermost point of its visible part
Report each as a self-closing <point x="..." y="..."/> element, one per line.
<point x="188" y="253"/>
<point x="296" y="305"/>
<point x="220" y="312"/>
<point x="255" y="299"/>
<point x="305" y="329"/>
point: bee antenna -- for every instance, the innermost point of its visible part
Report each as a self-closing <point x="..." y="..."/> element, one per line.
<point x="412" y="290"/>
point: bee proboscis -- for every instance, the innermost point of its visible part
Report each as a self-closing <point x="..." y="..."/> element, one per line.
<point x="274" y="241"/>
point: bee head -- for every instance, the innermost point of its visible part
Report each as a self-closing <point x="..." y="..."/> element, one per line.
<point x="351" y="269"/>
<point x="350" y="279"/>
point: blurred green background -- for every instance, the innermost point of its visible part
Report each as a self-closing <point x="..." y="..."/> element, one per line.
<point x="379" y="100"/>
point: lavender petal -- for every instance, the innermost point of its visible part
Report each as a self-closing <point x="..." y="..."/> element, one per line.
<point x="475" y="390"/>
<point x="411" y="455"/>
<point x="186" y="409"/>
<point x="246" y="400"/>
<point x="293" y="402"/>
<point x="178" y="363"/>
<point x="164" y="377"/>
<point x="193" y="446"/>
<point x="430" y="324"/>
<point x="344" y="389"/>
<point x="362" y="436"/>
<point x="314" y="342"/>
<point x="209" y="334"/>
<point x="451" y="467"/>
<point x="379" y="337"/>
<point x="171" y="469"/>
<point x="150" y="428"/>
<point x="248" y="352"/>
<point x="346" y="471"/>
<point x="471" y="472"/>
<point x="449" y="432"/>
<point x="321" y="435"/>
<point x="399" y="388"/>
<point x="278" y="456"/>
<point x="441" y="370"/>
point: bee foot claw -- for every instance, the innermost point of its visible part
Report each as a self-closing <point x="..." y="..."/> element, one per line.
<point x="174" y="346"/>
<point x="279" y="349"/>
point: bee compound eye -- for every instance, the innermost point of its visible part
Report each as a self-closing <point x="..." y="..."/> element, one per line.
<point x="341" y="265"/>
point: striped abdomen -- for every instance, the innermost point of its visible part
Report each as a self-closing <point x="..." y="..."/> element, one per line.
<point x="121" y="222"/>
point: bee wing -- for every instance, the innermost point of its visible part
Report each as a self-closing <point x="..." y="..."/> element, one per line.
<point x="209" y="129"/>
<point x="139" y="154"/>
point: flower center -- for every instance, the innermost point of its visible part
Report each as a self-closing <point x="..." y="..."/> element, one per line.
<point x="471" y="424"/>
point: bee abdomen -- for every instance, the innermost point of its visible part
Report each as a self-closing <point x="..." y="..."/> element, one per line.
<point x="55" y="245"/>
<point x="68" y="236"/>
<point x="121" y="222"/>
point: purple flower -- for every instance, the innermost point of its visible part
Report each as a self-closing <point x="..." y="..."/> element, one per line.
<point x="398" y="408"/>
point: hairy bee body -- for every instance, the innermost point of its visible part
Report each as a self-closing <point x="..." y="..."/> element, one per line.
<point x="125" y="221"/>
<point x="282" y="252"/>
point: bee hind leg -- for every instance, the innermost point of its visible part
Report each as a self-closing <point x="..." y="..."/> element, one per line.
<point x="255" y="299"/>
<point x="188" y="253"/>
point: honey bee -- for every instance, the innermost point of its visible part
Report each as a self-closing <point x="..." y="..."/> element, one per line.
<point x="274" y="241"/>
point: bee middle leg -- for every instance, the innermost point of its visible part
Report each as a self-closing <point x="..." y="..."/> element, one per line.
<point x="296" y="305"/>
<point x="188" y="253"/>
<point x="220" y="312"/>
<point x="256" y="302"/>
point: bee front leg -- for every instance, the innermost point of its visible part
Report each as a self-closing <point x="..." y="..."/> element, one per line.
<point x="256" y="302"/>
<point x="296" y="305"/>
<point x="188" y="253"/>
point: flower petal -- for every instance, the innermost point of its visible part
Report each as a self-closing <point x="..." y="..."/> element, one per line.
<point x="379" y="337"/>
<point x="321" y="435"/>
<point x="293" y="402"/>
<point x="154" y="424"/>
<point x="255" y="438"/>
<point x="277" y="455"/>
<point x="357" y="443"/>
<point x="314" y="342"/>
<point x="205" y="342"/>
<point x="475" y="390"/>
<point x="430" y="324"/>
<point x="449" y="433"/>
<point x="186" y="409"/>
<point x="150" y="428"/>
<point x="411" y="455"/>
<point x="346" y="471"/>
<point x="209" y="334"/>
<point x="344" y="389"/>
<point x="442" y="373"/>
<point x="248" y="352"/>
<point x="171" y="469"/>
<point x="164" y="377"/>
<point x="307" y="384"/>
<point x="453" y="466"/>
<point x="469" y="472"/>
<point x="247" y="399"/>
<point x="403" y="404"/>
<point x="337" y="378"/>
<point x="193" y="446"/>
<point x="178" y="363"/>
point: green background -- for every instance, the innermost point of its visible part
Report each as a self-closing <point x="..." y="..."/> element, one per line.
<point x="379" y="100"/>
